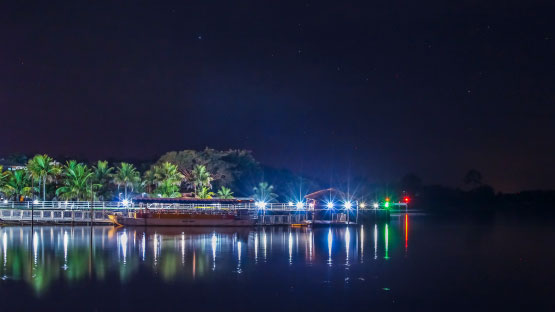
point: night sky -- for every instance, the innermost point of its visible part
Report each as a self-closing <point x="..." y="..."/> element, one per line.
<point x="326" y="89"/>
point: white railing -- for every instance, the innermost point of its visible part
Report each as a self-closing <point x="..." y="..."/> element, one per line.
<point x="112" y="205"/>
<point x="119" y="205"/>
<point x="63" y="205"/>
<point x="53" y="216"/>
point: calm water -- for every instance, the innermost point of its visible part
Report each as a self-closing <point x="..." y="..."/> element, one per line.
<point x="410" y="263"/>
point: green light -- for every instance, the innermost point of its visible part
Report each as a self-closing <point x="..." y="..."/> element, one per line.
<point x="386" y="205"/>
<point x="386" y="242"/>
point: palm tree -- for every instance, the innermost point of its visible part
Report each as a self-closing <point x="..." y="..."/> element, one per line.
<point x="4" y="176"/>
<point x="149" y="179"/>
<point x="42" y="168"/>
<point x="77" y="182"/>
<point x="200" y="177"/>
<point x="264" y="192"/>
<point x="102" y="177"/>
<point x="167" y="178"/>
<point x="225" y="193"/>
<point x="127" y="176"/>
<point x="18" y="184"/>
<point x="205" y="193"/>
<point x="168" y="171"/>
<point x="167" y="188"/>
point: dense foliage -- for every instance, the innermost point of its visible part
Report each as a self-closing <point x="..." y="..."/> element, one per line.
<point x="204" y="174"/>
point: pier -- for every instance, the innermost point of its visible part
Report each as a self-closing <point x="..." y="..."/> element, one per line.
<point x="97" y="212"/>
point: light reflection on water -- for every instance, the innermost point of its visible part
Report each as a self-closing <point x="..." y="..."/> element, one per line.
<point x="43" y="255"/>
<point x="423" y="263"/>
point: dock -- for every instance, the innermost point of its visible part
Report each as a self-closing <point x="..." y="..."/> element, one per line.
<point x="97" y="212"/>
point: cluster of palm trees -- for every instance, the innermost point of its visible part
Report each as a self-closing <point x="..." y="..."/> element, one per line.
<point x="44" y="178"/>
<point x="165" y="180"/>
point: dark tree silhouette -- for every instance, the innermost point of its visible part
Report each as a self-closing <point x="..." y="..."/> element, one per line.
<point x="473" y="178"/>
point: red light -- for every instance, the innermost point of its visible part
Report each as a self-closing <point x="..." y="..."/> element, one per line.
<point x="406" y="199"/>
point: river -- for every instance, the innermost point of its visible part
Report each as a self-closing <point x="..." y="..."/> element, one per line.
<point x="412" y="262"/>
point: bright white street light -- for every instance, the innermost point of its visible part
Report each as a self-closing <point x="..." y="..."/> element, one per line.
<point x="348" y="205"/>
<point x="329" y="205"/>
<point x="300" y="205"/>
<point x="261" y="204"/>
<point x="290" y="204"/>
<point x="376" y="205"/>
<point x="362" y="205"/>
<point x="125" y="202"/>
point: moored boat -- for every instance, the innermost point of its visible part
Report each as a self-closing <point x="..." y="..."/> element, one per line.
<point x="187" y="212"/>
<point x="183" y="219"/>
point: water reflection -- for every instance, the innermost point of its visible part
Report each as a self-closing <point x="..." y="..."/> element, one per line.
<point x="386" y="242"/>
<point x="362" y="244"/>
<point x="214" y="241"/>
<point x="330" y="245"/>
<point x="375" y="241"/>
<point x="44" y="255"/>
<point x="290" y="248"/>
<point x="239" y="257"/>
<point x="347" y="243"/>
<point x="406" y="233"/>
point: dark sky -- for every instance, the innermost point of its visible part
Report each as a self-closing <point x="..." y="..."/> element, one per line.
<point x="371" y="88"/>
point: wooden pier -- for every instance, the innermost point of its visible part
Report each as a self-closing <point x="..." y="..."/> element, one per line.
<point x="60" y="212"/>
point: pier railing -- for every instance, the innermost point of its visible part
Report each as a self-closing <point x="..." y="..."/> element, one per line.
<point x="64" y="205"/>
<point x="79" y="212"/>
<point x="120" y="205"/>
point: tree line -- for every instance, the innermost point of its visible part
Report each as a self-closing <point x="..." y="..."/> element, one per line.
<point x="174" y="173"/>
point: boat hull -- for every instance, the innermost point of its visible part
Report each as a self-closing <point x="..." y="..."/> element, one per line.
<point x="184" y="220"/>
